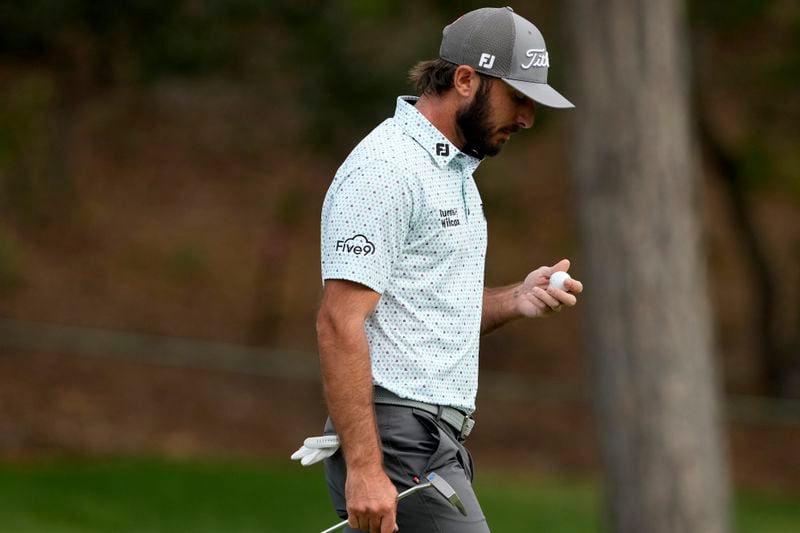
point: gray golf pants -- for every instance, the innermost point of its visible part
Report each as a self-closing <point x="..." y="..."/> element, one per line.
<point x="415" y="443"/>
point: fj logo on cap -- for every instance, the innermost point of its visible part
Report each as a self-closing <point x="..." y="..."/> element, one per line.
<point x="443" y="149"/>
<point x="539" y="58"/>
<point x="487" y="60"/>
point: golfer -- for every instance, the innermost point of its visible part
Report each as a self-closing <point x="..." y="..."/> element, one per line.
<point x="404" y="302"/>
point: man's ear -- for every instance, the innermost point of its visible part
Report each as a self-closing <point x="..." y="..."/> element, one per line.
<point x="466" y="81"/>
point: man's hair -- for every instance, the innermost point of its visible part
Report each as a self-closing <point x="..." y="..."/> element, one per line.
<point x="432" y="76"/>
<point x="435" y="76"/>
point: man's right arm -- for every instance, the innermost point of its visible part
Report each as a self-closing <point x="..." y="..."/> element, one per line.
<point x="347" y="382"/>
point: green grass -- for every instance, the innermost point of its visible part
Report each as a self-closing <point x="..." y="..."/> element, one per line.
<point x="163" y="496"/>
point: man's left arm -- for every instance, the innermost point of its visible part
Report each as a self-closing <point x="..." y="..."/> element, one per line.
<point x="534" y="297"/>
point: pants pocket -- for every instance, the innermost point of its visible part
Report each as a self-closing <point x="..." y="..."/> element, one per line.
<point x="450" y="449"/>
<point x="408" y="444"/>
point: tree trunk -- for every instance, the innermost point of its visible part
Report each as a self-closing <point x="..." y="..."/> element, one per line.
<point x="648" y="311"/>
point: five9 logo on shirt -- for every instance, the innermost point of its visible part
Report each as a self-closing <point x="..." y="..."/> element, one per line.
<point x="356" y="245"/>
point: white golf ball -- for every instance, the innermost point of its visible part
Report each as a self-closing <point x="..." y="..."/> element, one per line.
<point x="558" y="278"/>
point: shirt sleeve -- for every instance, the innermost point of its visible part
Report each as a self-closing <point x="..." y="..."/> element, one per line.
<point x="365" y="222"/>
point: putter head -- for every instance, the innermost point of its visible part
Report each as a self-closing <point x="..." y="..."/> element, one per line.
<point x="447" y="491"/>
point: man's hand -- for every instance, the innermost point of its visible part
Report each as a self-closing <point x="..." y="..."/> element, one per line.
<point x="532" y="298"/>
<point x="371" y="501"/>
<point x="536" y="298"/>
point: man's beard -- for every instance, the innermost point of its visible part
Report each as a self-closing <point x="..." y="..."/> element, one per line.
<point x="476" y="129"/>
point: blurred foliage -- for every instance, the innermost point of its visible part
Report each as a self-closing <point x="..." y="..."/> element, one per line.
<point x="26" y="105"/>
<point x="750" y="49"/>
<point x="160" y="37"/>
<point x="730" y="15"/>
<point x="187" y="261"/>
<point x="291" y="207"/>
<point x="336" y="66"/>
<point x="756" y="163"/>
<point x="10" y="275"/>
<point x="340" y="60"/>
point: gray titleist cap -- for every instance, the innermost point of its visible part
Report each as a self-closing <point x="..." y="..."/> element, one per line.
<point x="498" y="42"/>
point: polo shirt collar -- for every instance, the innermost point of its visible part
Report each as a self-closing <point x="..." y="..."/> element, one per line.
<point x="419" y="128"/>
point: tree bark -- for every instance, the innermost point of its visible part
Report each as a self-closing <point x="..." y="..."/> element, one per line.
<point x="648" y="321"/>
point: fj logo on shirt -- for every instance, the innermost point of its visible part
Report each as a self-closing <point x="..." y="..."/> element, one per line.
<point x="443" y="149"/>
<point x="356" y="245"/>
<point x="449" y="218"/>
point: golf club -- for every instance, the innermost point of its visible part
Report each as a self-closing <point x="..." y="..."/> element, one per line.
<point x="437" y="482"/>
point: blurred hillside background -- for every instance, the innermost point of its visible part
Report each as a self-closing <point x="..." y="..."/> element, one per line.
<point x="162" y="170"/>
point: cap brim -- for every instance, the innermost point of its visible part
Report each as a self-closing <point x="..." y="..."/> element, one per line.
<point x="541" y="93"/>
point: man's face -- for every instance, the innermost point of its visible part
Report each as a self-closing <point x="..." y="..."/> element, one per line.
<point x="497" y="111"/>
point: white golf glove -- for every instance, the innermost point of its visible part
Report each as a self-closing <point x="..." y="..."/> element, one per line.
<point x="315" y="449"/>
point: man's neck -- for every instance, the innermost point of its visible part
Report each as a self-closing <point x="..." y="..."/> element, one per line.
<point x="441" y="112"/>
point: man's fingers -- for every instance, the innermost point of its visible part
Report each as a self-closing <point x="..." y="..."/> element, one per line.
<point x="388" y="524"/>
<point x="363" y="522"/>
<point x="360" y="521"/>
<point x="547" y="298"/>
<point x="379" y="523"/>
<point x="388" y="520"/>
<point x="574" y="286"/>
<point x="563" y="298"/>
<point x="537" y="277"/>
<point x="562" y="265"/>
<point x="383" y="523"/>
<point x="374" y="520"/>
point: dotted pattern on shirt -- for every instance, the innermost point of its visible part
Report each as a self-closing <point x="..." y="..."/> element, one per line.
<point x="403" y="216"/>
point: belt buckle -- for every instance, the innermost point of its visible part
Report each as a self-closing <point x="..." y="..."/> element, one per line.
<point x="466" y="428"/>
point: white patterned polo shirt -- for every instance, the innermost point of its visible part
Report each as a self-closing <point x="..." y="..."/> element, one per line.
<point x="403" y="216"/>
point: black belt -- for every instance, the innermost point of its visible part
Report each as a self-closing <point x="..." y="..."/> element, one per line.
<point x="458" y="420"/>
